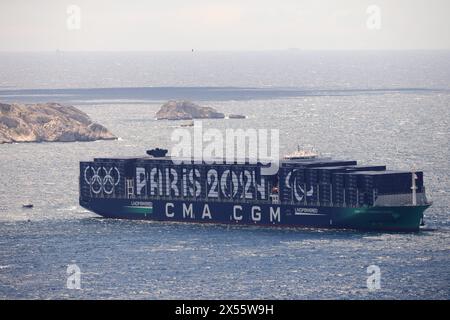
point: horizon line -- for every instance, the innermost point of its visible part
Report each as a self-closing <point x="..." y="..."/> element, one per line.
<point x="223" y="50"/>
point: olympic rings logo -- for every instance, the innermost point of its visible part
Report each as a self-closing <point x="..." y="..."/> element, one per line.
<point x="98" y="182"/>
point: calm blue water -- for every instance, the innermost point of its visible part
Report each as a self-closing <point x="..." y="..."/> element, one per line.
<point x="381" y="108"/>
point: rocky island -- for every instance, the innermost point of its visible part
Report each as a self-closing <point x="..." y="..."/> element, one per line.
<point x="48" y="122"/>
<point x="186" y="110"/>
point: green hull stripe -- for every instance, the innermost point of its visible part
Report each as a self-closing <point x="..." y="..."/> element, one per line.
<point x="143" y="210"/>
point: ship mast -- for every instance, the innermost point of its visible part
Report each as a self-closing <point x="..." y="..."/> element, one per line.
<point x="413" y="185"/>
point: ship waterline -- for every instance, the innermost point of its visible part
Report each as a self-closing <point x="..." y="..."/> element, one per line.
<point x="400" y="218"/>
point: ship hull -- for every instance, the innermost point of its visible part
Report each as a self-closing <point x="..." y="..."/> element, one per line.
<point x="386" y="218"/>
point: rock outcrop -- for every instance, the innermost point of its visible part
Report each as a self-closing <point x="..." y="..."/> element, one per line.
<point x="186" y="110"/>
<point x="48" y="122"/>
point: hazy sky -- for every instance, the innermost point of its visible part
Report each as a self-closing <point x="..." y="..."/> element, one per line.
<point x="224" y="25"/>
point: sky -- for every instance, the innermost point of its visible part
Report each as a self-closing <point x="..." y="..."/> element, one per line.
<point x="178" y="25"/>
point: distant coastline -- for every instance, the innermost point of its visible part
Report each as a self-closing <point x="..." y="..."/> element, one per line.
<point x="144" y="95"/>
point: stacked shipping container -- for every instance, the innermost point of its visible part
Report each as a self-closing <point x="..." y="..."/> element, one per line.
<point x="307" y="182"/>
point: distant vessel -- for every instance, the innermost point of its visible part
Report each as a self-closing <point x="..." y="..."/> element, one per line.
<point x="302" y="154"/>
<point x="307" y="191"/>
<point x="236" y="116"/>
<point x="188" y="124"/>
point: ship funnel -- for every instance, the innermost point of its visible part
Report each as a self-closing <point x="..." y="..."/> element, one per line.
<point x="157" y="153"/>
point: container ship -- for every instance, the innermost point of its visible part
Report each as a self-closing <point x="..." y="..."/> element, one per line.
<point x="307" y="191"/>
